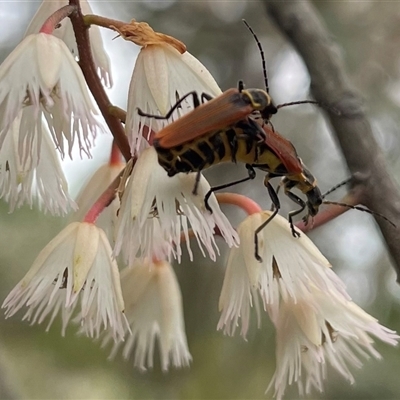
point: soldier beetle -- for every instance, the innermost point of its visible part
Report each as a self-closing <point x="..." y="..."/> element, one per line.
<point x="233" y="127"/>
<point x="269" y="152"/>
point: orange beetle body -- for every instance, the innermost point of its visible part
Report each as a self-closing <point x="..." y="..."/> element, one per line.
<point x="218" y="113"/>
<point x="233" y="127"/>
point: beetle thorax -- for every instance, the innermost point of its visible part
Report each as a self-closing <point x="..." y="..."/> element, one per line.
<point x="258" y="98"/>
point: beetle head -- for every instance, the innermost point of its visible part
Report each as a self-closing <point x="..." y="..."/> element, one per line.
<point x="261" y="101"/>
<point x="314" y="200"/>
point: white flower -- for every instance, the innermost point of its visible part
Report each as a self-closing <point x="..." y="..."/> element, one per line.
<point x="42" y="72"/>
<point x="92" y="190"/>
<point x="163" y="75"/>
<point x="65" y="32"/>
<point x="155" y="208"/>
<point x="317" y="323"/>
<point x="76" y="266"/>
<point x="22" y="180"/>
<point x="154" y="311"/>
<point x="290" y="268"/>
<point x="319" y="330"/>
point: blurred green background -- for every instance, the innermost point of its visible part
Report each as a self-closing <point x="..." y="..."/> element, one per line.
<point x="36" y="364"/>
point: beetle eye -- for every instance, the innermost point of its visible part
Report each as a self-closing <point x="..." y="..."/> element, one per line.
<point x="272" y="108"/>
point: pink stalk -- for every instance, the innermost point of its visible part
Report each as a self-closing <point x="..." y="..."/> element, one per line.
<point x="248" y="205"/>
<point x="115" y="156"/>
<point x="104" y="200"/>
<point x="328" y="214"/>
<point x="52" y="22"/>
<point x="101" y="203"/>
<point x="332" y="211"/>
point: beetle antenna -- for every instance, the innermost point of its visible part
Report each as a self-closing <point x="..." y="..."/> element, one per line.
<point x="264" y="64"/>
<point x="339" y="185"/>
<point x="326" y="107"/>
<point x="294" y="103"/>
<point x="360" y="208"/>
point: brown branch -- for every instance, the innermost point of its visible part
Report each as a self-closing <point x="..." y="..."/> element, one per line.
<point x="329" y="85"/>
<point x="104" y="22"/>
<point x="93" y="81"/>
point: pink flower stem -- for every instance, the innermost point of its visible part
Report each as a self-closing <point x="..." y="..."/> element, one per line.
<point x="235" y="199"/>
<point x="52" y="22"/>
<point x="115" y="156"/>
<point x="104" y="200"/>
<point x="331" y="212"/>
<point x="248" y="205"/>
<point x="93" y="81"/>
<point x="328" y="214"/>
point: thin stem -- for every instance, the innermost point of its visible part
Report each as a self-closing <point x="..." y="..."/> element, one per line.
<point x="93" y="81"/>
<point x="329" y="213"/>
<point x="245" y="203"/>
<point x="117" y="112"/>
<point x="109" y="194"/>
<point x="115" y="156"/>
<point x="52" y="22"/>
<point x="104" y="22"/>
<point x="104" y="200"/>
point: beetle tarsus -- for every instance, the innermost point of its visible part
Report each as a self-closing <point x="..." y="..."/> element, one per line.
<point x="196" y="183"/>
<point x="207" y="206"/>
<point x="256" y="255"/>
<point x="295" y="233"/>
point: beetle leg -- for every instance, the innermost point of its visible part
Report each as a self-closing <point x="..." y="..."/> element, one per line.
<point x="277" y="206"/>
<point x="205" y="96"/>
<point x="252" y="174"/>
<point x="196" y="183"/>
<point x="256" y="131"/>
<point x="256" y="153"/>
<point x="272" y="126"/>
<point x="302" y="205"/>
<point x="251" y="129"/>
<point x="196" y="103"/>
<point x="278" y="188"/>
<point x="233" y="146"/>
<point x="240" y="86"/>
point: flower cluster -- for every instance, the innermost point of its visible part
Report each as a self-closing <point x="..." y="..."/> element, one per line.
<point x="316" y="322"/>
<point x="44" y="103"/>
<point x="133" y="214"/>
